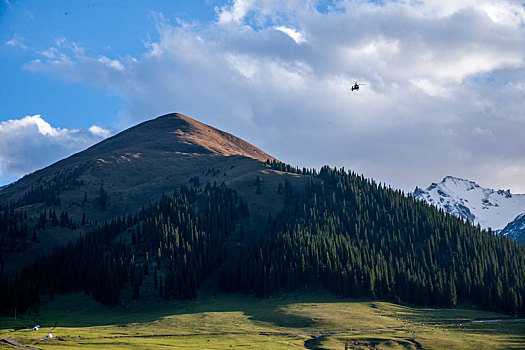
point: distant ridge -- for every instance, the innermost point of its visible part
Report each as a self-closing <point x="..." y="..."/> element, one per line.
<point x="466" y="199"/>
<point x="516" y="229"/>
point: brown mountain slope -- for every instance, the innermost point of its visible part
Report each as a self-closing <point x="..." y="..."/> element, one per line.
<point x="177" y="134"/>
<point x="162" y="151"/>
<point x="135" y="167"/>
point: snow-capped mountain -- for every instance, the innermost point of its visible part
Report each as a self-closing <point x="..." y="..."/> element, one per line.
<point x="466" y="199"/>
<point x="516" y="229"/>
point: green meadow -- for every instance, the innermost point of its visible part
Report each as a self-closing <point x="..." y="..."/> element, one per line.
<point x="310" y="319"/>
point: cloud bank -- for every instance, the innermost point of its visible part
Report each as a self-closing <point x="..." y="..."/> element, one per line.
<point x="31" y="143"/>
<point x="443" y="94"/>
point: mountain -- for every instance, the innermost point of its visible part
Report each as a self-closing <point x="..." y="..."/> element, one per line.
<point x="138" y="164"/>
<point x="163" y="151"/>
<point x="467" y="200"/>
<point x="348" y="234"/>
<point x="516" y="229"/>
<point x="5" y="186"/>
<point x="127" y="171"/>
<point x="173" y="206"/>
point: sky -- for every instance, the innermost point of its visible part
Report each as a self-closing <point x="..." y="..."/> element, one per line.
<point x="443" y="81"/>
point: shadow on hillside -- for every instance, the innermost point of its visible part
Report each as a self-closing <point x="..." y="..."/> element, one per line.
<point x="78" y="310"/>
<point x="514" y="331"/>
<point x="461" y="312"/>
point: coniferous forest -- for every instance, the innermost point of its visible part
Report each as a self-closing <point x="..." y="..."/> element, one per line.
<point x="349" y="234"/>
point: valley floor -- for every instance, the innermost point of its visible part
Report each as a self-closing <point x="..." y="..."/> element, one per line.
<point x="310" y="319"/>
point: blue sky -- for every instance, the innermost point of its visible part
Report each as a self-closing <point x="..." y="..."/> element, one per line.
<point x="110" y="28"/>
<point x="444" y="93"/>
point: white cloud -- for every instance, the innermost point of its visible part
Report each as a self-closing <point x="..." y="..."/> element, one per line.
<point x="99" y="131"/>
<point x="292" y="33"/>
<point x="485" y="133"/>
<point x="30" y="143"/>
<point x="17" y="41"/>
<point x="430" y="88"/>
<point x="443" y="93"/>
<point x="236" y="12"/>
<point x="503" y="12"/>
<point x="113" y="64"/>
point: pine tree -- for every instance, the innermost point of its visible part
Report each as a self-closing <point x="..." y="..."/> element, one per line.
<point x="258" y="181"/>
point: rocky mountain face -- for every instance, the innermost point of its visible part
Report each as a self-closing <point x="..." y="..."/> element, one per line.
<point x="516" y="229"/>
<point x="487" y="207"/>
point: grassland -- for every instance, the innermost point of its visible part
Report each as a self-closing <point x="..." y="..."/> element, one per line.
<point x="312" y="319"/>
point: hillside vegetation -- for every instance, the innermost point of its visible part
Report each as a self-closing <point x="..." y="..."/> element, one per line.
<point x="354" y="237"/>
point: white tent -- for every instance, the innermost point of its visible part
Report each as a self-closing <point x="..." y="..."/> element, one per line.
<point x="49" y="335"/>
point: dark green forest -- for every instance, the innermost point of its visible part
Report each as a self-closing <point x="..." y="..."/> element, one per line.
<point x="349" y="234"/>
<point x="359" y="238"/>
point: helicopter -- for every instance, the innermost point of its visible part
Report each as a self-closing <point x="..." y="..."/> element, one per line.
<point x="356" y="86"/>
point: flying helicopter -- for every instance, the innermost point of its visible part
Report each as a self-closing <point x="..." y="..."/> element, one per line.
<point x="356" y="86"/>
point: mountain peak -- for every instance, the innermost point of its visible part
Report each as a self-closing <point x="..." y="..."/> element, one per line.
<point x="178" y="134"/>
<point x="468" y="200"/>
<point x="458" y="181"/>
<point x="139" y="163"/>
<point x="136" y="166"/>
<point x="453" y="179"/>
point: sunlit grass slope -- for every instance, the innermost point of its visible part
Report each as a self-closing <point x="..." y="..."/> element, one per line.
<point x="312" y="319"/>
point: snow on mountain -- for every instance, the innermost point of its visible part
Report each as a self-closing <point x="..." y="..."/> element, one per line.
<point x="466" y="199"/>
<point x="516" y="229"/>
